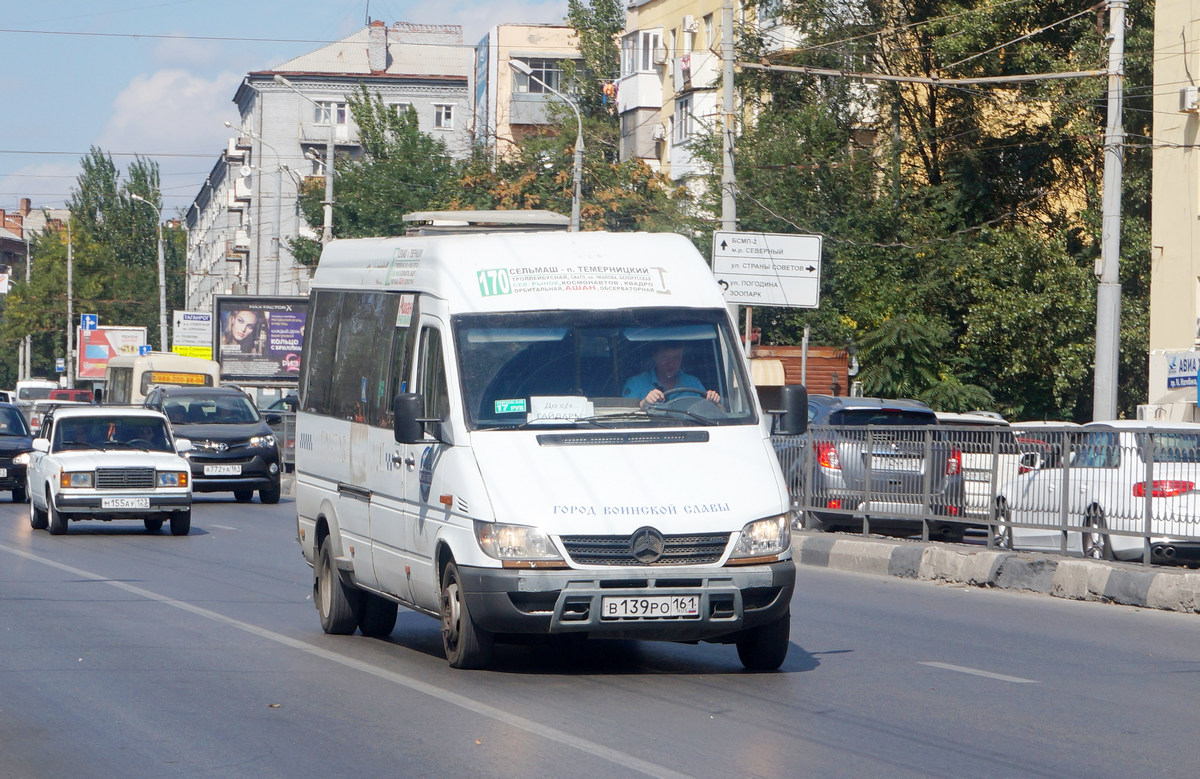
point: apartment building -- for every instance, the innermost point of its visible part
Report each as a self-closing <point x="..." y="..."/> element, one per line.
<point x="238" y="227"/>
<point x="510" y="105"/>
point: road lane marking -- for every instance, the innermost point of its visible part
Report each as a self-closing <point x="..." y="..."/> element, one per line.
<point x="962" y="669"/>
<point x="224" y="527"/>
<point x="437" y="693"/>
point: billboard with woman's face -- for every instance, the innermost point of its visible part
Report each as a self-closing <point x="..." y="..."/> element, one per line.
<point x="259" y="339"/>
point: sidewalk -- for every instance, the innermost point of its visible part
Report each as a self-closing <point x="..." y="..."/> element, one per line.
<point x="1174" y="589"/>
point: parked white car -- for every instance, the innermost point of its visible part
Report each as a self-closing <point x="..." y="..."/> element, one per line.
<point x="106" y="463"/>
<point x="985" y="444"/>
<point x="1097" y="496"/>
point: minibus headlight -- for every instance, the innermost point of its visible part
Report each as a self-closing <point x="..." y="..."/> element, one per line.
<point x="514" y="542"/>
<point x="76" y="480"/>
<point x="172" y="478"/>
<point x="763" y="538"/>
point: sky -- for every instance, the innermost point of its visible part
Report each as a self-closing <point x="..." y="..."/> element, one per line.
<point x="157" y="78"/>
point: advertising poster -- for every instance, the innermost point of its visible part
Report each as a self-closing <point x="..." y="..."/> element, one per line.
<point x="259" y="339"/>
<point x="97" y="346"/>
<point x="192" y="334"/>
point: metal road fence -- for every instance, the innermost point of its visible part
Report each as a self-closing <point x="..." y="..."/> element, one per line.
<point x="1126" y="491"/>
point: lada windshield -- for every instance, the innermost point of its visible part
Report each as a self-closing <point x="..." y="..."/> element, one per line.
<point x="111" y="432"/>
<point x="596" y="369"/>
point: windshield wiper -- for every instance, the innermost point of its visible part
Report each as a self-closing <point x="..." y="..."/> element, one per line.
<point x="78" y="444"/>
<point x="552" y="421"/>
<point x="658" y="409"/>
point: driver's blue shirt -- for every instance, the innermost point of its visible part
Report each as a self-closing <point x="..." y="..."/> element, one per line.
<point x="640" y="385"/>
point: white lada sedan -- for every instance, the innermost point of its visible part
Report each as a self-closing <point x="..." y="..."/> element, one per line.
<point x="106" y="463"/>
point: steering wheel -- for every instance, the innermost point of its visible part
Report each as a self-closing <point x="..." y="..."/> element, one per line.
<point x="139" y="442"/>
<point x="675" y="392"/>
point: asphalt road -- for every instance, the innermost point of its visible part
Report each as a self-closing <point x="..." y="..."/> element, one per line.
<point x="130" y="654"/>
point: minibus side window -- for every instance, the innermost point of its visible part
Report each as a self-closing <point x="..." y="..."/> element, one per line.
<point x="356" y="368"/>
<point x="394" y="373"/>
<point x="320" y="344"/>
<point x="433" y="375"/>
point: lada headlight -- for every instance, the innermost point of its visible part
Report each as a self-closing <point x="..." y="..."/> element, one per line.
<point x="763" y="538"/>
<point x="262" y="441"/>
<point x="515" y="542"/>
<point x="75" y="480"/>
<point x="172" y="478"/>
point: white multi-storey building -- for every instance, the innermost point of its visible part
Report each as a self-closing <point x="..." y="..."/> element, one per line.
<point x="238" y="230"/>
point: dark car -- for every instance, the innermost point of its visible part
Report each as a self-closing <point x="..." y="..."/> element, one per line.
<point x="880" y="458"/>
<point x="233" y="446"/>
<point x="15" y="439"/>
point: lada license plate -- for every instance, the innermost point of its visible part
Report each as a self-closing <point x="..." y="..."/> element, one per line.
<point x="222" y="470"/>
<point x="650" y="607"/>
<point x="124" y="503"/>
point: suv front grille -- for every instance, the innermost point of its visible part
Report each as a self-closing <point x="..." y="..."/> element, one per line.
<point x="615" y="550"/>
<point x="124" y="478"/>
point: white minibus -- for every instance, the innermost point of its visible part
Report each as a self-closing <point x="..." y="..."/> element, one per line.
<point x="534" y="434"/>
<point x="128" y="377"/>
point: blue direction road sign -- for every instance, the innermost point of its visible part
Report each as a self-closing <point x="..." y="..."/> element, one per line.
<point x="89" y="321"/>
<point x="144" y="349"/>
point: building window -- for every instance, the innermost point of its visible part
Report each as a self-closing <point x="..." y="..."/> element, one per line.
<point x="637" y="51"/>
<point x="323" y="108"/>
<point x="683" y="119"/>
<point x="708" y="32"/>
<point x="544" y="71"/>
<point x="400" y="108"/>
<point x="443" y="116"/>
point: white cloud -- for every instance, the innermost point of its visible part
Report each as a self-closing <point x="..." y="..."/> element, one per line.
<point x="171" y="111"/>
<point x="47" y="185"/>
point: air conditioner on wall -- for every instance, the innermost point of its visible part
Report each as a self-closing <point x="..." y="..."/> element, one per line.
<point x="658" y="132"/>
<point x="660" y="56"/>
<point x="689" y="23"/>
<point x="1189" y="100"/>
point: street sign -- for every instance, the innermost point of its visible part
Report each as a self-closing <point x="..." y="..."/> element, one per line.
<point x="89" y="321"/>
<point x="144" y="349"/>
<point x="768" y="269"/>
<point x="60" y="364"/>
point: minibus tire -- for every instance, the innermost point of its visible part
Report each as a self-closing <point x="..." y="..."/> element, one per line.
<point x="58" y="520"/>
<point x="181" y="523"/>
<point x="333" y="597"/>
<point x="466" y="645"/>
<point x="376" y="616"/>
<point x="764" y="648"/>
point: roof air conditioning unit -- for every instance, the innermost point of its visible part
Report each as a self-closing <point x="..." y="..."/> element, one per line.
<point x="660" y="55"/>
<point x="658" y="132"/>
<point x="1189" y="100"/>
<point x="689" y="23"/>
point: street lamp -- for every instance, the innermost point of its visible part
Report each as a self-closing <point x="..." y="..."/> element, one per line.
<point x="278" y="239"/>
<point x="327" y="231"/>
<point x="162" y="276"/>
<point x="527" y="71"/>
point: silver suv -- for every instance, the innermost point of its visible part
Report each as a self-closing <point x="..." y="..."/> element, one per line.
<point x="878" y="459"/>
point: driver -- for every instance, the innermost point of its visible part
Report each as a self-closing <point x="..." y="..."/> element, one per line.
<point x="664" y="376"/>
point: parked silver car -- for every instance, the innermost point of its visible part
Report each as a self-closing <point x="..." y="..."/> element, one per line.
<point x="886" y="461"/>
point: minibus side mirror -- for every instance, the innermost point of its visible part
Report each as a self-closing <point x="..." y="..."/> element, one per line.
<point x="406" y="418"/>
<point x="792" y="414"/>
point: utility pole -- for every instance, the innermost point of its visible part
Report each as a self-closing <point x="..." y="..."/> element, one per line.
<point x="728" y="129"/>
<point x="70" y="308"/>
<point x="1108" y="292"/>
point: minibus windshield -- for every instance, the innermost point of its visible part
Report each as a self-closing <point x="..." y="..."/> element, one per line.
<point x="596" y="369"/>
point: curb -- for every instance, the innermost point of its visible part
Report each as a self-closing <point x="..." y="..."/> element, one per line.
<point x="1060" y="577"/>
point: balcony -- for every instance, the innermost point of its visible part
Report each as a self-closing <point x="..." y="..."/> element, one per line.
<point x="318" y="134"/>
<point x="695" y="70"/>
<point x="526" y="108"/>
<point x="639" y="90"/>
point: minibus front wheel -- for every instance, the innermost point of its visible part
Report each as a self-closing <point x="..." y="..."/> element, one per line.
<point x="764" y="648"/>
<point x="466" y="644"/>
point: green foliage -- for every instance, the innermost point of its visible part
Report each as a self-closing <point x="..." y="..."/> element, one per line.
<point x="961" y="225"/>
<point x="599" y="24"/>
<point x="114" y="260"/>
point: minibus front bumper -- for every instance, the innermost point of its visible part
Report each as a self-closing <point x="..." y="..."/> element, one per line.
<point x="729" y="599"/>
